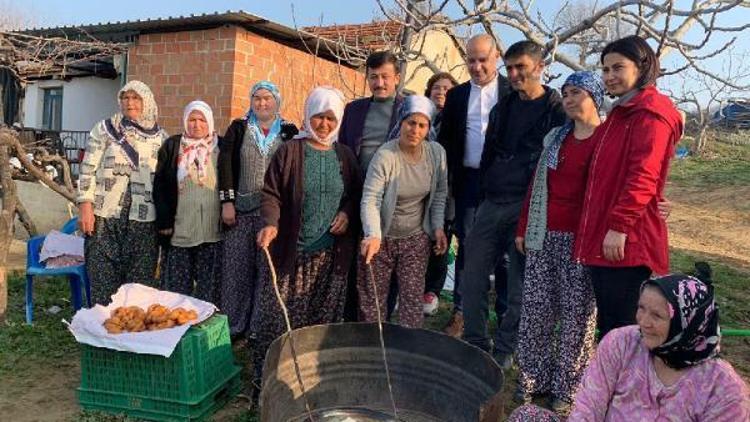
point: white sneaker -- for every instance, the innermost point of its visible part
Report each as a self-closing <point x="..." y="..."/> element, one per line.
<point x="430" y="303"/>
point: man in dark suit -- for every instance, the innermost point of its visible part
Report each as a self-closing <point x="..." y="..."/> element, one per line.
<point x="462" y="133"/>
<point x="365" y="126"/>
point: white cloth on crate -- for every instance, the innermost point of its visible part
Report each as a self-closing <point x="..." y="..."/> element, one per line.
<point x="88" y="324"/>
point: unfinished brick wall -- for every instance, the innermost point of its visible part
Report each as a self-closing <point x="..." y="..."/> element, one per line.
<point x="220" y="65"/>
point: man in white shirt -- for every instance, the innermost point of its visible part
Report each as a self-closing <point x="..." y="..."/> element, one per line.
<point x="462" y="133"/>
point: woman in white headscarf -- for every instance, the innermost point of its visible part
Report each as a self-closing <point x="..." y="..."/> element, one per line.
<point x="116" y="210"/>
<point x="188" y="213"/>
<point x="403" y="213"/>
<point x="310" y="201"/>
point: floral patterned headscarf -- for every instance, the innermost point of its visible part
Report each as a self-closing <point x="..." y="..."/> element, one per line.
<point x="694" y="328"/>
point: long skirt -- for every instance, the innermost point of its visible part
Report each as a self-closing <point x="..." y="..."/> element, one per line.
<point x="193" y="271"/>
<point x="408" y="258"/>
<point x="558" y="319"/>
<point x="534" y="413"/>
<point x="243" y="264"/>
<point x="312" y="294"/>
<point x="120" y="251"/>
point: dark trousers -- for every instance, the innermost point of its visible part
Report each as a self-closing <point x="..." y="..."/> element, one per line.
<point x="467" y="204"/>
<point x="492" y="236"/>
<point x="617" y="290"/>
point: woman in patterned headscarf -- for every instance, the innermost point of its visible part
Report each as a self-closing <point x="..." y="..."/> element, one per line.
<point x="667" y="367"/>
<point x="557" y="290"/>
<point x="116" y="209"/>
<point x="187" y="206"/>
<point x="246" y="151"/>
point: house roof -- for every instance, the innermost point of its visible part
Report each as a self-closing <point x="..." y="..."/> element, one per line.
<point x="127" y="31"/>
<point x="373" y="36"/>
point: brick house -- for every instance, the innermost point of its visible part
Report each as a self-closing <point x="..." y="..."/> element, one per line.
<point x="213" y="57"/>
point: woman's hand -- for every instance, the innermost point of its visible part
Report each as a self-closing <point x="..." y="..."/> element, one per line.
<point x="665" y="208"/>
<point x="520" y="245"/>
<point x="166" y="232"/>
<point x="369" y="248"/>
<point x="340" y="223"/>
<point x="614" y="246"/>
<point x="266" y="235"/>
<point x="441" y="242"/>
<point x="86" y="218"/>
<point x="228" y="214"/>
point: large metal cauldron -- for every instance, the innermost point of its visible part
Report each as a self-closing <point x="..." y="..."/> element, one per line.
<point x="434" y="377"/>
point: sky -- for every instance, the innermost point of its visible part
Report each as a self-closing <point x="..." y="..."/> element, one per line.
<point x="306" y="12"/>
<point x="45" y="13"/>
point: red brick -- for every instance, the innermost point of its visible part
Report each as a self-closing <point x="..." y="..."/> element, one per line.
<point x="197" y="35"/>
<point x="157" y="48"/>
<point x="227" y="32"/>
<point x="186" y="47"/>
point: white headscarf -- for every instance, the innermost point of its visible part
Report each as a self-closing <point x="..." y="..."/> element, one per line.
<point x="320" y="100"/>
<point x="192" y="150"/>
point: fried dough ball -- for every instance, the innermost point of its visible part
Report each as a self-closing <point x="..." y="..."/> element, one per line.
<point x="157" y="317"/>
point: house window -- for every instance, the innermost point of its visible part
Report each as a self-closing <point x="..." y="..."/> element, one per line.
<point x="52" y="112"/>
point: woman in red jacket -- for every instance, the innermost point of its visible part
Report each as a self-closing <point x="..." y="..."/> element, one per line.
<point x="621" y="235"/>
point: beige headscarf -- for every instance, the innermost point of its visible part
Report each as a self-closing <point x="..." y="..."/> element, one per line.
<point x="150" y="113"/>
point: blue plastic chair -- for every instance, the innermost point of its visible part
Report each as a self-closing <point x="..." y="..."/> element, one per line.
<point x="76" y="275"/>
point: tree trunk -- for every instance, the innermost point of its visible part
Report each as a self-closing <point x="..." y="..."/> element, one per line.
<point x="701" y="141"/>
<point x="7" y="215"/>
<point x="25" y="218"/>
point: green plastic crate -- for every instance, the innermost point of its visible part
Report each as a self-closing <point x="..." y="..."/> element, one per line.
<point x="162" y="410"/>
<point x="201" y="363"/>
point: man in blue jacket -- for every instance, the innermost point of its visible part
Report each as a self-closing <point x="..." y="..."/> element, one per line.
<point x="366" y="124"/>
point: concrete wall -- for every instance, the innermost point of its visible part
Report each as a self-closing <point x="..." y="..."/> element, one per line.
<point x="86" y="100"/>
<point x="47" y="208"/>
<point x="438" y="47"/>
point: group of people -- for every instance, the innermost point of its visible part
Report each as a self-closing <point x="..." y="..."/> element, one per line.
<point x="561" y="207"/>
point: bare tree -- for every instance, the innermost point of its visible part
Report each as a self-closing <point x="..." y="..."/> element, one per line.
<point x="26" y="56"/>
<point x="704" y="95"/>
<point x="585" y="27"/>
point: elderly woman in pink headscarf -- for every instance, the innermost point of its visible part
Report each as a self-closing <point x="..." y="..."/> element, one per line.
<point x="188" y="211"/>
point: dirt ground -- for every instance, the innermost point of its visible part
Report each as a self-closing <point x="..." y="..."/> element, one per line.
<point x="47" y="395"/>
<point x="714" y="223"/>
